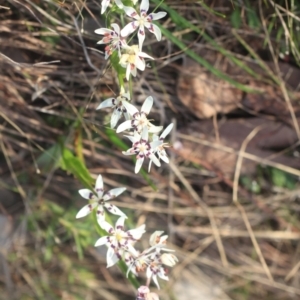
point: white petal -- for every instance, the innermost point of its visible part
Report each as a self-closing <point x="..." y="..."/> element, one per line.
<point x="104" y="4"/>
<point x="102" y="241"/>
<point x="162" y="275"/>
<point x="106" y="103"/>
<point x="119" y="4"/>
<point x="155" y="129"/>
<point x="138" y="165"/>
<point x="154" y="277"/>
<point x="154" y="159"/>
<point x="140" y="63"/>
<point x="120" y="222"/>
<point x="169" y="259"/>
<point x="147" y="105"/>
<point x="103" y="31"/>
<point x="116" y="27"/>
<point x="137" y="232"/>
<point x="155" y="237"/>
<point x="127" y="115"/>
<point x="144" y="134"/>
<point x="114" y="210"/>
<point x="113" y="193"/>
<point x="131" y="138"/>
<point x="141" y="36"/>
<point x="167" y="131"/>
<point x="154" y="29"/>
<point x="128" y="29"/>
<point x="107" y="227"/>
<point x="133" y="71"/>
<point x="111" y="257"/>
<point x="115" y="117"/>
<point x="131" y="12"/>
<point x="125" y="95"/>
<point x="87" y="209"/>
<point x="155" y="144"/>
<point x="124" y="126"/>
<point x="157" y="16"/>
<point x="99" y="183"/>
<point x="144" y="6"/>
<point x="127" y="72"/>
<point x="100" y="215"/>
<point x="149" y="168"/>
<point x="130" y="108"/>
<point x="128" y="152"/>
<point x="101" y="221"/>
<point x="86" y="194"/>
<point x="144" y="55"/>
<point x="99" y="186"/>
<point x="164" y="158"/>
<point x="102" y="42"/>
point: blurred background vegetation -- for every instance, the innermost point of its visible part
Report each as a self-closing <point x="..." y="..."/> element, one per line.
<point x="228" y="73"/>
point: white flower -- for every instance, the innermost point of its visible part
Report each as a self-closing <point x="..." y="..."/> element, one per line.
<point x="118" y="105"/>
<point x="155" y="267"/>
<point x="152" y="258"/>
<point x="105" y="4"/>
<point x="141" y="21"/>
<point x="133" y="59"/>
<point x="144" y="294"/>
<point x="160" y="149"/>
<point x="119" y="240"/>
<point x="142" y="148"/>
<point x="136" y="264"/>
<point x="139" y="119"/>
<point x="99" y="201"/>
<point x="112" y="38"/>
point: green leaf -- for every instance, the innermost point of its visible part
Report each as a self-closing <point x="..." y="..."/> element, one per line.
<point x="253" y="19"/>
<point x="235" y="18"/>
<point x="49" y="159"/>
<point x="282" y="179"/>
<point x="114" y="138"/>
<point x="75" y="166"/>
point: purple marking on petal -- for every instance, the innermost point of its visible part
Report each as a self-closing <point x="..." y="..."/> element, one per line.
<point x="133" y="25"/>
<point x="91" y="195"/>
<point x="151" y="28"/>
<point x="99" y="212"/>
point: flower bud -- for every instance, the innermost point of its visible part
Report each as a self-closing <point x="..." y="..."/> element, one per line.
<point x="169" y="259"/>
<point x="156" y="238"/>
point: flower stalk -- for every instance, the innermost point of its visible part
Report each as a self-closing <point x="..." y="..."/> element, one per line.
<point x="148" y="143"/>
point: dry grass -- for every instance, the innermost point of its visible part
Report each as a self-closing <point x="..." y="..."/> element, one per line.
<point x="52" y="78"/>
